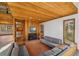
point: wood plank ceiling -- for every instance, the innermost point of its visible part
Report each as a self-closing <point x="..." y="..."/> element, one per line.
<point x="41" y="11"/>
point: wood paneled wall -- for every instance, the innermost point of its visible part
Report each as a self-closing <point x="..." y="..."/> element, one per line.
<point x="6" y="18"/>
<point x="27" y="27"/>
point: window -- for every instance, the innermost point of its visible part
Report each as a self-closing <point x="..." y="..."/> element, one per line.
<point x="6" y="29"/>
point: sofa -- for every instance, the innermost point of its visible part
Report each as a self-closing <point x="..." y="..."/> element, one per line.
<point x="68" y="49"/>
<point x="64" y="51"/>
<point x="42" y="48"/>
<point x="6" y="50"/>
<point x="19" y="50"/>
<point x="13" y="49"/>
<point x="50" y="41"/>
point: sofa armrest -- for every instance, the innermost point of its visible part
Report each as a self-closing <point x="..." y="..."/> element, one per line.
<point x="15" y="50"/>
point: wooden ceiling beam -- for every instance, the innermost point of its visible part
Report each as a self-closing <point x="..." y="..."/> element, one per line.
<point x="56" y="7"/>
<point x="14" y="8"/>
<point x="42" y="10"/>
<point x="25" y="7"/>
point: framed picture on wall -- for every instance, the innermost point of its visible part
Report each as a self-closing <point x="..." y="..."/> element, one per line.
<point x="32" y="29"/>
<point x="69" y="30"/>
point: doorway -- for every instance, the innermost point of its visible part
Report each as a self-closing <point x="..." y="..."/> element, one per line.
<point x="69" y="30"/>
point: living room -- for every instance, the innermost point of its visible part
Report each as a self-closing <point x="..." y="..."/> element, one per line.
<point x="45" y="27"/>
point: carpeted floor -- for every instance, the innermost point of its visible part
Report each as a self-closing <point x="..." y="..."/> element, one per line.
<point x="35" y="47"/>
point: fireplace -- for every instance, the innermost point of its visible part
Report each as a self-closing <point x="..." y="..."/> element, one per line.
<point x="32" y="36"/>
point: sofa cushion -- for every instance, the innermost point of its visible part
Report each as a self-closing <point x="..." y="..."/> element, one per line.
<point x="56" y="51"/>
<point x="53" y="52"/>
<point x="48" y="43"/>
<point x="23" y="51"/>
<point x="53" y="40"/>
<point x="19" y="50"/>
<point x="47" y="53"/>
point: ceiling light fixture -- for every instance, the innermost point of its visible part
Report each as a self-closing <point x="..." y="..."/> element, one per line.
<point x="39" y="19"/>
<point x="30" y="17"/>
